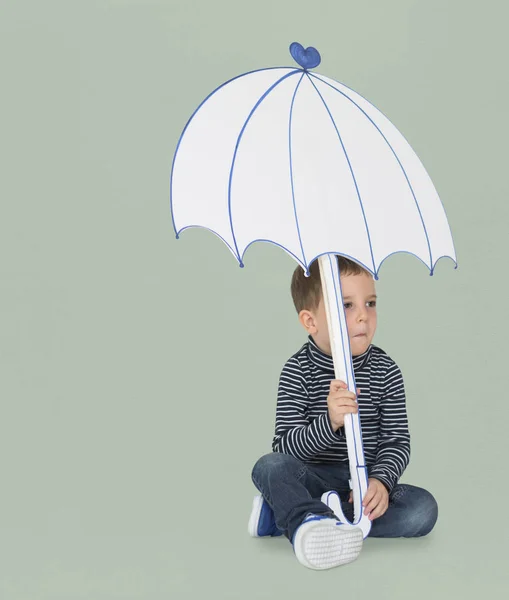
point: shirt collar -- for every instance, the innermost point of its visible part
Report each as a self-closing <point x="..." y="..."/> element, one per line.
<point x="325" y="362"/>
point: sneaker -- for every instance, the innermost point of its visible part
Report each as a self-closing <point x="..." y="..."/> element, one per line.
<point x="322" y="542"/>
<point x="261" y="521"/>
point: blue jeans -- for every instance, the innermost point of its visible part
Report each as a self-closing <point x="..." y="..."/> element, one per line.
<point x="293" y="489"/>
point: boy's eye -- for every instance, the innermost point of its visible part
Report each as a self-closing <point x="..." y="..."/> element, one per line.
<point x="371" y="303"/>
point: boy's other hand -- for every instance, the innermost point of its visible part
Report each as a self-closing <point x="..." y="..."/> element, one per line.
<point x="376" y="499"/>
<point x="340" y="402"/>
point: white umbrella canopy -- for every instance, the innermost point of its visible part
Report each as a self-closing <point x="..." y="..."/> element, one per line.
<point x="290" y="157"/>
<point x="297" y="159"/>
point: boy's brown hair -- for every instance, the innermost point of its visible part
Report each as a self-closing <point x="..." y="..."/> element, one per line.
<point x="307" y="291"/>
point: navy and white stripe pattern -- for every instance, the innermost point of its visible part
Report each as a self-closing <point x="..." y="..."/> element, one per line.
<point x="303" y="428"/>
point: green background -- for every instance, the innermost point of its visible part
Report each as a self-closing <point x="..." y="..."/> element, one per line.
<point x="139" y="373"/>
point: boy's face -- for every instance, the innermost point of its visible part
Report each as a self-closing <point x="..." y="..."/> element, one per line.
<point x="359" y="298"/>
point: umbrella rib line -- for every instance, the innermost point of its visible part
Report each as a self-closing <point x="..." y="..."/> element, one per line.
<point x="351" y="171"/>
<point x="189" y="122"/>
<point x="395" y="156"/>
<point x="239" y="138"/>
<point x="291" y="171"/>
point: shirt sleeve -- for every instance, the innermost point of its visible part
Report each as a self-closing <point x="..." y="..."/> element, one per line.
<point x="295" y="433"/>
<point x="393" y="452"/>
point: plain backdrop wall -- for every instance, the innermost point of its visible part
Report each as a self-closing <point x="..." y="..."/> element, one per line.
<point x="139" y="373"/>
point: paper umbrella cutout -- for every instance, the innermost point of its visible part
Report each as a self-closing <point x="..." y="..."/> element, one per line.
<point x="294" y="158"/>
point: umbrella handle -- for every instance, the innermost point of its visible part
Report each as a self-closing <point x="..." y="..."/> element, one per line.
<point x="343" y="369"/>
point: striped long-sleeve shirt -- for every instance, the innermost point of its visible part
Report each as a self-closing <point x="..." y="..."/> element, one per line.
<point x="303" y="428"/>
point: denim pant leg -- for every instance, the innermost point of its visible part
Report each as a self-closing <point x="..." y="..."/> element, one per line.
<point x="291" y="489"/>
<point x="412" y="512"/>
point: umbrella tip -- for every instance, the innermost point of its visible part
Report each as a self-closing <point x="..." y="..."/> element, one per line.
<point x="241" y="264"/>
<point x="177" y="236"/>
<point x="307" y="58"/>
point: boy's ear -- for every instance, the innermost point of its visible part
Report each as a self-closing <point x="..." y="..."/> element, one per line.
<point x="307" y="320"/>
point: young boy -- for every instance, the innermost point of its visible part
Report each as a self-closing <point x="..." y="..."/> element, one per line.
<point x="309" y="447"/>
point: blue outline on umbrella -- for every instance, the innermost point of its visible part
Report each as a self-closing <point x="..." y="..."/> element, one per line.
<point x="374" y="271"/>
<point x="291" y="166"/>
